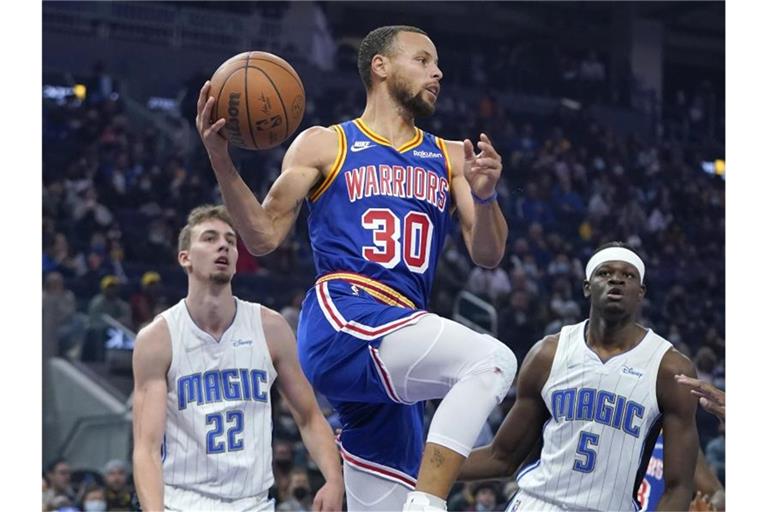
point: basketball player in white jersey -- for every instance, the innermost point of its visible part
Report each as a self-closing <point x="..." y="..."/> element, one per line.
<point x="596" y="395"/>
<point x="203" y="370"/>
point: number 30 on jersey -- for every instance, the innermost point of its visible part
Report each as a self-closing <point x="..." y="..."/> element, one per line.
<point x="409" y="240"/>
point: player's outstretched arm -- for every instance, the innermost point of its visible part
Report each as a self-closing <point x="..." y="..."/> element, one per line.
<point x="681" y="438"/>
<point x="315" y="430"/>
<point x="263" y="227"/>
<point x="521" y="428"/>
<point x="473" y="185"/>
<point x="151" y="359"/>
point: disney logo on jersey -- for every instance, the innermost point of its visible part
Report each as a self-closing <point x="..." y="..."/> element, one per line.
<point x="361" y="145"/>
<point x="628" y="370"/>
<point x="426" y="154"/>
<point x="240" y="343"/>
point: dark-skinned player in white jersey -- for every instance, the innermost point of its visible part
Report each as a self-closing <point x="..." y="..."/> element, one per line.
<point x="595" y="396"/>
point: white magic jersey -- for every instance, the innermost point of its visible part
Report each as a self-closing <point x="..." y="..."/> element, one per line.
<point x="218" y="433"/>
<point x="602" y="415"/>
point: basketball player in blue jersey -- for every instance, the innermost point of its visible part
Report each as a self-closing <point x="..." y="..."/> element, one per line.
<point x="380" y="193"/>
<point x="203" y="370"/>
<point x="596" y="396"/>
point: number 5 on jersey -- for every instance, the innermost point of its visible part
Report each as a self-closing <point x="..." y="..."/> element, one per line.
<point x="416" y="234"/>
<point x="587" y="442"/>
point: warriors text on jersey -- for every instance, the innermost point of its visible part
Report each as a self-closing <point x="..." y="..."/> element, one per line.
<point x="604" y="422"/>
<point x="219" y="427"/>
<point x="377" y="224"/>
<point x="383" y="212"/>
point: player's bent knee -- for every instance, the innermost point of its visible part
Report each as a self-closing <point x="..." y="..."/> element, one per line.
<point x="498" y="369"/>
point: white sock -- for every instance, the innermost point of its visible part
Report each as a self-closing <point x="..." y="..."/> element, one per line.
<point x="422" y="501"/>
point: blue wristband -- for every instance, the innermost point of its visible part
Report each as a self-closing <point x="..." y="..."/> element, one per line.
<point x="487" y="200"/>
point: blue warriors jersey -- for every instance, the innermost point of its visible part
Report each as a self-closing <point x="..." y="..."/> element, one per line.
<point x="652" y="487"/>
<point x="382" y="212"/>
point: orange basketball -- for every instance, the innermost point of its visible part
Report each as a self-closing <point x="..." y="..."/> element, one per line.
<point x="262" y="98"/>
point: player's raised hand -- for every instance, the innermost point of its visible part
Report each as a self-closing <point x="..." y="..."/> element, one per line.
<point x="710" y="398"/>
<point x="482" y="170"/>
<point x="215" y="143"/>
<point x="329" y="497"/>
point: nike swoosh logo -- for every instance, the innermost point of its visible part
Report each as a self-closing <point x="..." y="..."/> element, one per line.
<point x="356" y="148"/>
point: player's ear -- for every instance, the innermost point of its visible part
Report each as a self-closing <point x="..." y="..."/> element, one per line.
<point x="642" y="291"/>
<point x="183" y="258"/>
<point x="586" y="289"/>
<point x="380" y="66"/>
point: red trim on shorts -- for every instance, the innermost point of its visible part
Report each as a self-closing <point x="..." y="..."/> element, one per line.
<point x="377" y="469"/>
<point x="328" y="307"/>
<point x="357" y="329"/>
<point x="385" y="378"/>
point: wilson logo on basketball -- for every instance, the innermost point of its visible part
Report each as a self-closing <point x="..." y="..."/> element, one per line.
<point x="233" y="121"/>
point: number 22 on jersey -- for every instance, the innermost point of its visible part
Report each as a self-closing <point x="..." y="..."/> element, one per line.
<point x="409" y="240"/>
<point x="215" y="441"/>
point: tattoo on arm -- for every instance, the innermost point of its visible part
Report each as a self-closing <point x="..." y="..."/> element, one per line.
<point x="437" y="458"/>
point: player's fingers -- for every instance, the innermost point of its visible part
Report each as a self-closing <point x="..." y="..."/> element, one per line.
<point x="203" y="95"/>
<point x="710" y="392"/>
<point x="217" y="126"/>
<point x="486" y="146"/>
<point x="469" y="151"/>
<point x="206" y="114"/>
<point x="487" y="162"/>
<point x="688" y="381"/>
<point x="319" y="504"/>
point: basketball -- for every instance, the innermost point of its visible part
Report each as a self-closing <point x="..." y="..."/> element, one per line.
<point x="262" y="98"/>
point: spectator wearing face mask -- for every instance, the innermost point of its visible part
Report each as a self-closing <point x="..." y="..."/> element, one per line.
<point x="92" y="498"/>
<point x="299" y="493"/>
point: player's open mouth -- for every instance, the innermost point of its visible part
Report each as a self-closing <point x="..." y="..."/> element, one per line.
<point x="434" y="89"/>
<point x="222" y="261"/>
<point x="615" y="294"/>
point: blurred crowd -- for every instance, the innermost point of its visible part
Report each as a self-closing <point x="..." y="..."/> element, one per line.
<point x="116" y="190"/>
<point x="65" y="489"/>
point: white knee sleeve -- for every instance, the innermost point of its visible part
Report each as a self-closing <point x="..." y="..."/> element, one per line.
<point x="497" y="370"/>
<point x="462" y="413"/>
<point x="440" y="358"/>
